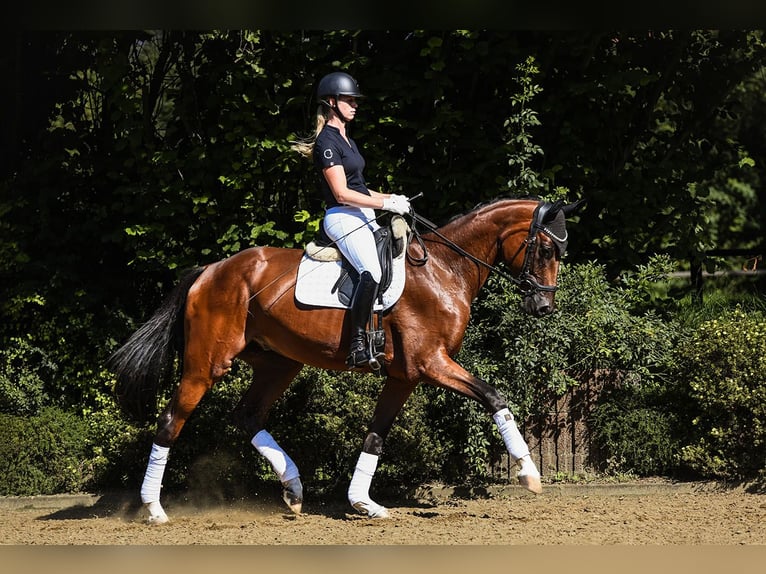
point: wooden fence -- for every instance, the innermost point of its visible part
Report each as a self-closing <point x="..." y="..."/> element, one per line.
<point x="560" y="440"/>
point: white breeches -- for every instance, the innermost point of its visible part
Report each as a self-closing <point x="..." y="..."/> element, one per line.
<point x="352" y="230"/>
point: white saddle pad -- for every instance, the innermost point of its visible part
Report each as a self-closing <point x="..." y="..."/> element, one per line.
<point x="317" y="278"/>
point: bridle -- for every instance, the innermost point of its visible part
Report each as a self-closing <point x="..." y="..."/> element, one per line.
<point x="526" y="281"/>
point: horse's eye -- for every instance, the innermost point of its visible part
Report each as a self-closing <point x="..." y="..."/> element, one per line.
<point x="546" y="251"/>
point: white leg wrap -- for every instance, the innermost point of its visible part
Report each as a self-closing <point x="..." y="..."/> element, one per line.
<point x="359" y="489"/>
<point x="155" y="469"/>
<point x="150" y="488"/>
<point x="528" y="467"/>
<point x="514" y="442"/>
<point x="282" y="464"/>
<point x="529" y="476"/>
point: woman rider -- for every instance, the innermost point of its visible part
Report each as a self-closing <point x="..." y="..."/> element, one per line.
<point x="349" y="219"/>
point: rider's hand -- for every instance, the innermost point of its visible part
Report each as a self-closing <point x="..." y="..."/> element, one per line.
<point x="397" y="204"/>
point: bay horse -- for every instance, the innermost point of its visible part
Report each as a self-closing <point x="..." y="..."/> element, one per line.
<point x="244" y="307"/>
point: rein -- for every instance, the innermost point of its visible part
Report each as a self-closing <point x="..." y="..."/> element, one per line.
<point x="526" y="282"/>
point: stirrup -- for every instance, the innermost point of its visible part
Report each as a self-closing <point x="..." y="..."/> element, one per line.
<point x="376" y="341"/>
<point x="374" y="363"/>
<point x="358" y="358"/>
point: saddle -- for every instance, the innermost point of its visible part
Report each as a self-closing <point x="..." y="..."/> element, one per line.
<point x="390" y="241"/>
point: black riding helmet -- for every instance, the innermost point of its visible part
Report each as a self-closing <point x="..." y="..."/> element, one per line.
<point x="337" y="84"/>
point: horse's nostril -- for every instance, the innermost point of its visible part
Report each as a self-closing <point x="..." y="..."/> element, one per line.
<point x="536" y="308"/>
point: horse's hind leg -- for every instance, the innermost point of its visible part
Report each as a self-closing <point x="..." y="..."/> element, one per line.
<point x="205" y="363"/>
<point x="272" y="374"/>
<point x="184" y="401"/>
<point x="190" y="391"/>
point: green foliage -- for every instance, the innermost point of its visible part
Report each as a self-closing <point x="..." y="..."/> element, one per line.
<point x="119" y="449"/>
<point x="722" y="370"/>
<point x="534" y="360"/>
<point x="646" y="288"/>
<point x="77" y="343"/>
<point x="593" y="329"/>
<point x="658" y="150"/>
<point x="158" y="150"/>
<point x="48" y="453"/>
<point x="635" y="428"/>
<point x="522" y="149"/>
<point x="689" y="313"/>
<point x="23" y="373"/>
<point x="465" y="434"/>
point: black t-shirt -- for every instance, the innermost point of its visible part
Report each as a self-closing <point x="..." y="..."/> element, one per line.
<point x="331" y="149"/>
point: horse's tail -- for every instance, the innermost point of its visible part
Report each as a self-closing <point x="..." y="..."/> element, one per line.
<point x="146" y="362"/>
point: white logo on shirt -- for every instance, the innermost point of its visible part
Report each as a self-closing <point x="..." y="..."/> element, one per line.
<point x="328" y="154"/>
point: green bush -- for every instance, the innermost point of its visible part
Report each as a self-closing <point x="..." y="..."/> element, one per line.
<point x="534" y="360"/>
<point x="323" y="419"/>
<point x="635" y="430"/>
<point x="24" y="370"/>
<point x="120" y="449"/>
<point x="321" y="422"/>
<point x="49" y="453"/>
<point x="722" y="370"/>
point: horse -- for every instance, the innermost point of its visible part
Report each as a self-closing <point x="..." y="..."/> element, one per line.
<point x="244" y="308"/>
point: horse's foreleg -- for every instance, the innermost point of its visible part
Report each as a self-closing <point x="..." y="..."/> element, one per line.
<point x="390" y="402"/>
<point x="528" y="475"/>
<point x="272" y="374"/>
<point x="446" y="373"/>
<point x="359" y="487"/>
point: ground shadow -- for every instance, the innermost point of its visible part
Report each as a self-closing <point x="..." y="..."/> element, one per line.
<point x="111" y="504"/>
<point x="127" y="506"/>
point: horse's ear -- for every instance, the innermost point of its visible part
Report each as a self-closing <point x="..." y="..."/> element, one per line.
<point x="551" y="209"/>
<point x="574" y="208"/>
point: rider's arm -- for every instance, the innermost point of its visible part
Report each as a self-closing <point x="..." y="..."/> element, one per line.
<point x="336" y="179"/>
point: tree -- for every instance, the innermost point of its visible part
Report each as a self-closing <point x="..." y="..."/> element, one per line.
<point x="647" y="126"/>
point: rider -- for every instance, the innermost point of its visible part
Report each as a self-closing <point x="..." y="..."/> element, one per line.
<point x="349" y="219"/>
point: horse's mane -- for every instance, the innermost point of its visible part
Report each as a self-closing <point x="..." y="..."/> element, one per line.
<point x="483" y="204"/>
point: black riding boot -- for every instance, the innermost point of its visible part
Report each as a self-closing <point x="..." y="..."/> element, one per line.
<point x="359" y="313"/>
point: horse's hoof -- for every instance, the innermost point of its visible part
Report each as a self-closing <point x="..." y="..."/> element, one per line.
<point x="156" y="520"/>
<point x="371" y="509"/>
<point x="293" y="494"/>
<point x="531" y="483"/>
<point x="295" y="505"/>
<point x="529" y="476"/>
<point x="296" y="508"/>
<point x="156" y="514"/>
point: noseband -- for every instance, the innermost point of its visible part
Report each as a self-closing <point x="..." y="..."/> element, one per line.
<point x="526" y="281"/>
